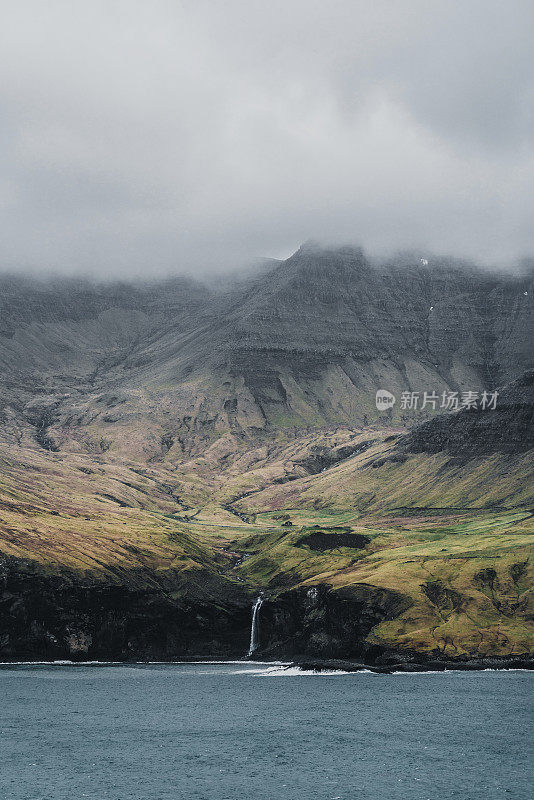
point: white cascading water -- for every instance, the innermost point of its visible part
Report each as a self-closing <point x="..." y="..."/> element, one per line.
<point x="255" y="625"/>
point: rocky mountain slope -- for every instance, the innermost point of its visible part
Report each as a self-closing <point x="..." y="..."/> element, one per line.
<point x="168" y="450"/>
<point x="469" y="459"/>
<point x="154" y="371"/>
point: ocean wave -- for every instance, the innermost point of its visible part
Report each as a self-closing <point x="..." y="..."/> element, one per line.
<point x="292" y="671"/>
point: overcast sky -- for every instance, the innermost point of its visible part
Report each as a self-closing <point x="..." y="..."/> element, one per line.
<point x="148" y="137"/>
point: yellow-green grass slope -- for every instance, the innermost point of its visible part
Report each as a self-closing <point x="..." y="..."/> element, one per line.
<point x="468" y="576"/>
<point x="105" y="522"/>
<point x="454" y="539"/>
<point x="380" y="478"/>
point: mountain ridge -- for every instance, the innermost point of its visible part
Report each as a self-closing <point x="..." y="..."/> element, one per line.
<point x="306" y="343"/>
<point x="168" y="451"/>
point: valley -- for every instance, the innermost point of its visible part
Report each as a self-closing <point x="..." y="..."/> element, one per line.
<point x="168" y="452"/>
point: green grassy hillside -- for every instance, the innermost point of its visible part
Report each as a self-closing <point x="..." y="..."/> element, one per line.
<point x="168" y="451"/>
<point x="462" y="572"/>
<point x="467" y="576"/>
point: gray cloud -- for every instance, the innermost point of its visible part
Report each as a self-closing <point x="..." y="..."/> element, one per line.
<point x="168" y="136"/>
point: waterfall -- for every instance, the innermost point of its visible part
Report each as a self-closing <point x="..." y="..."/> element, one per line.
<point x="255" y="625"/>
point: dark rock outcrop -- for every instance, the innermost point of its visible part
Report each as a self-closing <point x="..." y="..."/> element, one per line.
<point x="50" y="617"/>
<point x="508" y="428"/>
<point x="330" y="540"/>
<point x="323" y="623"/>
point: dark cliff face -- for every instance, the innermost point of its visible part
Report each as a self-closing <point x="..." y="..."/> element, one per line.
<point x="334" y="303"/>
<point x="50" y="617"/>
<point x="322" y="623"/>
<point x="53" y="617"/>
<point x="314" y="339"/>
<point x="509" y="428"/>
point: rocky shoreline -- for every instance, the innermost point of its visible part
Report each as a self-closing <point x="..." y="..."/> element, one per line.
<point x="525" y="662"/>
<point x="65" y="617"/>
<point x="317" y="665"/>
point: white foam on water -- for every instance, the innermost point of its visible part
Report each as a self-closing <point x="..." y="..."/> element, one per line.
<point x="293" y="672"/>
<point x="492" y="669"/>
<point x="425" y="672"/>
<point x="248" y="667"/>
<point x="460" y="671"/>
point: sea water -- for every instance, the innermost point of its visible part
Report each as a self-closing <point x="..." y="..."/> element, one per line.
<point x="244" y="731"/>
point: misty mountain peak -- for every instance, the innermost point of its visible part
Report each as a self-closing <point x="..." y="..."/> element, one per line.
<point x="315" y="249"/>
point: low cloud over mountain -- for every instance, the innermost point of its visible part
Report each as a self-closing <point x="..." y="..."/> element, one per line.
<point x="148" y="138"/>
